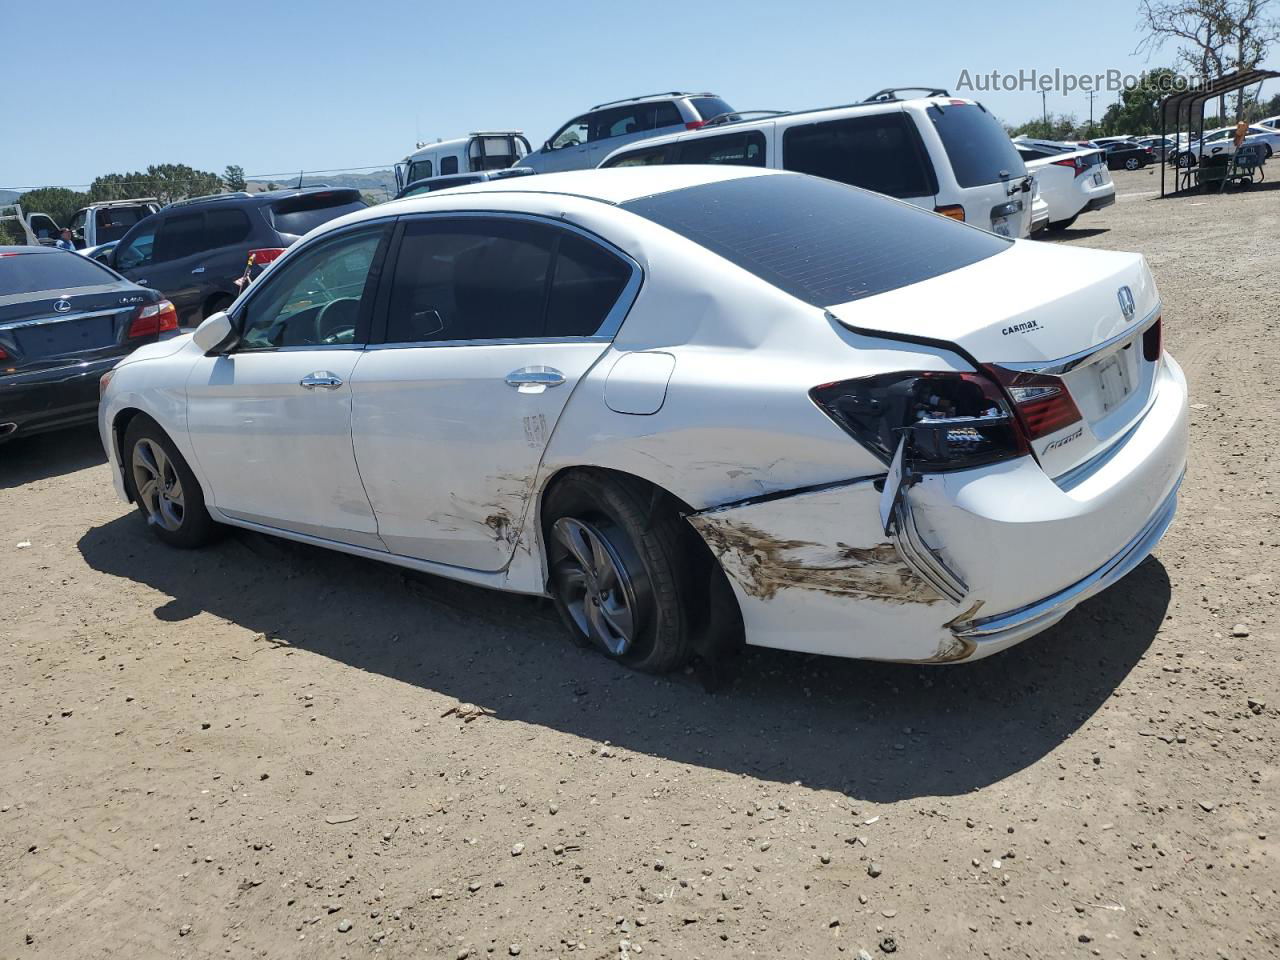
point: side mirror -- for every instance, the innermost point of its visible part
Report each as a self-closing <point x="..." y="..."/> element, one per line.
<point x="215" y="335"/>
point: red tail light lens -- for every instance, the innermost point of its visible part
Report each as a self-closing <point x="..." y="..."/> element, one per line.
<point x="952" y="421"/>
<point x="694" y="124"/>
<point x="4" y="354"/>
<point x="264" y="255"/>
<point x="1042" y="403"/>
<point x="152" y="319"/>
<point x="1152" y="342"/>
<point x="1075" y="163"/>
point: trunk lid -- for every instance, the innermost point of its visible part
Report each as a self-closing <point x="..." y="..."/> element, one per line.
<point x="1044" y="310"/>
<point x="72" y="326"/>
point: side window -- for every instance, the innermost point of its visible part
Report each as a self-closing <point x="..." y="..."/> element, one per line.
<point x="738" y="149"/>
<point x="469" y="279"/>
<point x="572" y="134"/>
<point x="587" y="283"/>
<point x="180" y="236"/>
<point x="880" y="153"/>
<point x="448" y="165"/>
<point x="419" y="170"/>
<point x="640" y="158"/>
<point x="622" y="121"/>
<point x="666" y="114"/>
<point x="224" y="228"/>
<point x="316" y="298"/>
<point x="139" y="251"/>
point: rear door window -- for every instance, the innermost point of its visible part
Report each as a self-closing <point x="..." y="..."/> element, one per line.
<point x="587" y="283"/>
<point x="881" y="152"/>
<point x="225" y="228"/>
<point x="977" y="146"/>
<point x="709" y="107"/>
<point x="114" y="222"/>
<point x="666" y="114"/>
<point x="621" y="121"/>
<point x="820" y="241"/>
<point x="744" y="149"/>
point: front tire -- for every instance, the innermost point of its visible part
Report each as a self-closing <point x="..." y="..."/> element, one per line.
<point x="162" y="485"/>
<point x="621" y="572"/>
<point x="1133" y="163"/>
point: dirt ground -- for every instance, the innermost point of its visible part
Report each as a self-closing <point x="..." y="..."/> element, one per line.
<point x="248" y="751"/>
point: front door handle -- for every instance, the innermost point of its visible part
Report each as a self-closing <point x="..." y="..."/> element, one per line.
<point x="534" y="379"/>
<point x="198" y="270"/>
<point x="142" y="283"/>
<point x="322" y="379"/>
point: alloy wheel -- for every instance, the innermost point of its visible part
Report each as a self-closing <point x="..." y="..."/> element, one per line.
<point x="159" y="487"/>
<point x="596" y="587"/>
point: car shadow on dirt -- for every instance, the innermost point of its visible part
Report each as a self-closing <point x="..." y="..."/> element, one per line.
<point x="46" y="455"/>
<point x="1072" y="233"/>
<point x="874" y="731"/>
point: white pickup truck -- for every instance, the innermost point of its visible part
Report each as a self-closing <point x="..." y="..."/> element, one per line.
<point x="26" y="229"/>
<point x="109" y="220"/>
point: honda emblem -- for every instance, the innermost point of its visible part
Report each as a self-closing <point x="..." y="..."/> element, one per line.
<point x="1127" y="306"/>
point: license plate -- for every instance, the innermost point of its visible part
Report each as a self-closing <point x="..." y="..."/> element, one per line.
<point x="1097" y="179"/>
<point x="71" y="336"/>
<point x="1001" y="226"/>
<point x="1113" y="381"/>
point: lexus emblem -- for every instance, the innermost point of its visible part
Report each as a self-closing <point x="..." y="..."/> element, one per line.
<point x="1127" y="306"/>
<point x="62" y="306"/>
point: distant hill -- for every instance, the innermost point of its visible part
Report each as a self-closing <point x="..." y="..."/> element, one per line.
<point x="11" y="196"/>
<point x="381" y="182"/>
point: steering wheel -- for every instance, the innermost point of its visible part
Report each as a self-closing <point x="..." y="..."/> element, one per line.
<point x="337" y="317"/>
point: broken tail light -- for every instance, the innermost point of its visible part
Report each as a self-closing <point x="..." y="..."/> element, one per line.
<point x="952" y="421"/>
<point x="1042" y="402"/>
<point x="152" y="319"/>
<point x="1153" y="341"/>
<point x="264" y="255"/>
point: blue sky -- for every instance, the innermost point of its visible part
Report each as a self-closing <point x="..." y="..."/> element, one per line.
<point x="280" y="86"/>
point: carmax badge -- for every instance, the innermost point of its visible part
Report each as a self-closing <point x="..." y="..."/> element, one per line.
<point x="1127" y="306"/>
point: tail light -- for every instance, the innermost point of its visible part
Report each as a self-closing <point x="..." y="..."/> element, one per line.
<point x="1075" y="163"/>
<point x="1042" y="403"/>
<point x="152" y="319"/>
<point x="4" y="354"/>
<point x="695" y="124"/>
<point x="264" y="255"/>
<point x="954" y="211"/>
<point x="1152" y="342"/>
<point x="952" y="421"/>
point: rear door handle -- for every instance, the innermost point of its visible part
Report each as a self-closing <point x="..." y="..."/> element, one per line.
<point x="534" y="379"/>
<point x="322" y="379"/>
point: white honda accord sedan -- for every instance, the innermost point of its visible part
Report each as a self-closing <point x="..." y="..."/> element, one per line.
<point x="690" y="404"/>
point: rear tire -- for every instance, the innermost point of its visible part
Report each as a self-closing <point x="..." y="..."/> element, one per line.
<point x="1062" y="224"/>
<point x="621" y="570"/>
<point x="1133" y="163"/>
<point x="167" y="493"/>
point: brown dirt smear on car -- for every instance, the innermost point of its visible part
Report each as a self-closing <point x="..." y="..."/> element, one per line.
<point x="763" y="564"/>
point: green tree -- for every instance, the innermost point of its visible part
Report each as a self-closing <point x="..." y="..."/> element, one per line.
<point x="58" y="202"/>
<point x="165" y="181"/>
<point x="1139" y="108"/>
<point x="233" y="178"/>
<point x="1063" y="126"/>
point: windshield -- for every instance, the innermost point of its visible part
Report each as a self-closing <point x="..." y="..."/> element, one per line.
<point x="977" y="146"/>
<point x="301" y="214"/>
<point x="820" y="241"/>
<point x="33" y="272"/>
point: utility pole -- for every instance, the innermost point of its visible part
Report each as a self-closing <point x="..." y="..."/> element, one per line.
<point x="1092" y="94"/>
<point x="1044" y="108"/>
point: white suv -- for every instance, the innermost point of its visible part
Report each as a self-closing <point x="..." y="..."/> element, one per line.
<point x="939" y="152"/>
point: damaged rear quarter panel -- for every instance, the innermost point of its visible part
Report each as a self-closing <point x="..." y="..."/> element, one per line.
<point x="814" y="571"/>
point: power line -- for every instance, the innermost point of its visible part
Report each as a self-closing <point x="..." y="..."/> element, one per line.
<point x="290" y="174"/>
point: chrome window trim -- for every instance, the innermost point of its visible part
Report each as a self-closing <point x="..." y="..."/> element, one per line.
<point x="608" y="328"/>
<point x="1093" y="354"/>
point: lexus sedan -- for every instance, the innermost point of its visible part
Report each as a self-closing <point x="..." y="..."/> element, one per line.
<point x="64" y="321"/>
<point x="692" y="404"/>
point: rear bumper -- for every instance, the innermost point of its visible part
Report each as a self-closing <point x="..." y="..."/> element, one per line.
<point x="50" y="399"/>
<point x="990" y="557"/>
<point x="1097" y="203"/>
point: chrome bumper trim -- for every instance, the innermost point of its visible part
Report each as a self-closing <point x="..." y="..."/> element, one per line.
<point x="1054" y="607"/>
<point x="923" y="560"/>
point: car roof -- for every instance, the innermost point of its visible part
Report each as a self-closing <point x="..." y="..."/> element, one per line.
<point x="644" y="98"/>
<point x="854" y="109"/>
<point x="9" y="250"/>
<point x="614" y="186"/>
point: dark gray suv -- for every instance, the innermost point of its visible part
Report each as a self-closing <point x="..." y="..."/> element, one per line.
<point x="193" y="251"/>
<point x="586" y="140"/>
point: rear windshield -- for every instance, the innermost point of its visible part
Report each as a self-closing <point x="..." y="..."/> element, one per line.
<point x="33" y="272"/>
<point x="298" y="215"/>
<point x="114" y="222"/>
<point x="820" y="241"/>
<point x="709" y="107"/>
<point x="977" y="146"/>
